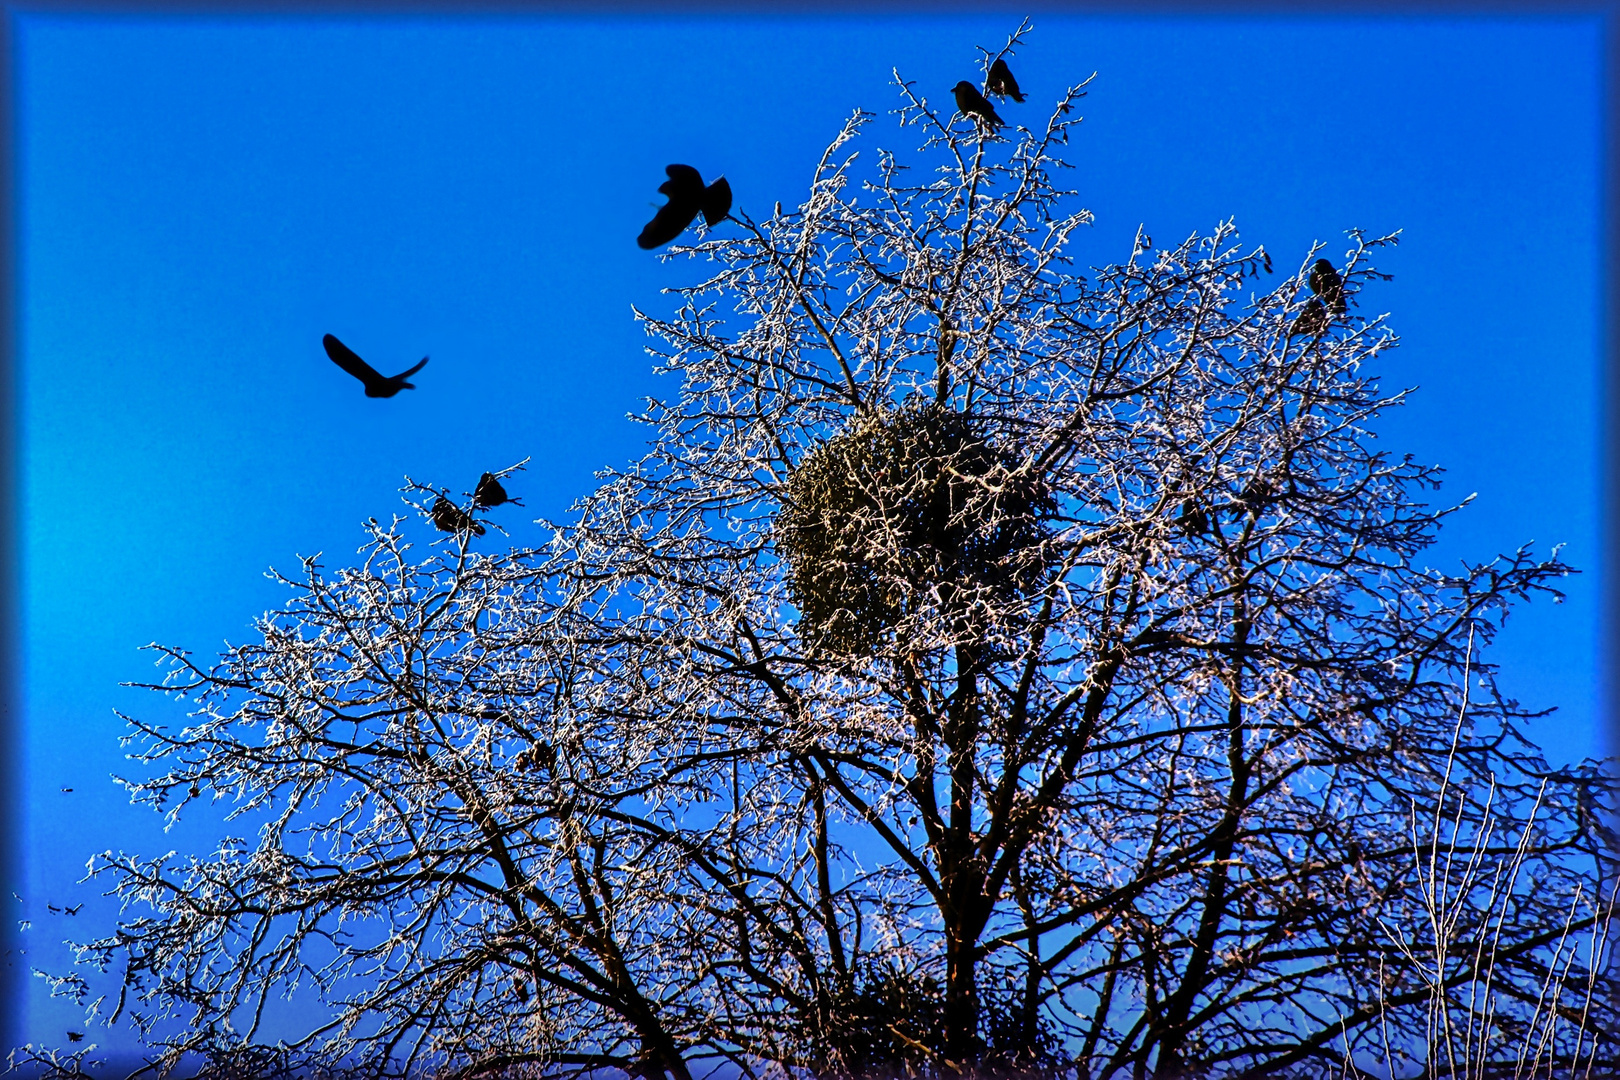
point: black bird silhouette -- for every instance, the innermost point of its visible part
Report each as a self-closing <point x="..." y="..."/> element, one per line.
<point x="1312" y="319"/>
<point x="1326" y="283"/>
<point x="450" y="518"/>
<point x="67" y="791"/>
<point x="489" y="492"/>
<point x="1001" y="82"/>
<point x="969" y="102"/>
<point x="74" y="910"/>
<point x="687" y="196"/>
<point x="75" y="1036"/>
<point x="376" y="384"/>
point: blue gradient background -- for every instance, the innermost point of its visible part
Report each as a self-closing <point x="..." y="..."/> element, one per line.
<point x="201" y="199"/>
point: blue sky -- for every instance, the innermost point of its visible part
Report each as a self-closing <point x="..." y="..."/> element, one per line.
<point x="201" y="199"/>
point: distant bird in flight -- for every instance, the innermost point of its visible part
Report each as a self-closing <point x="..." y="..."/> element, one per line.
<point x="489" y="492"/>
<point x="75" y="1036"/>
<point x="450" y="518"/>
<point x="376" y="385"/>
<point x="969" y="102"/>
<point x="687" y="196"/>
<point x="1326" y="283"/>
<point x="1312" y="320"/>
<point x="1001" y="82"/>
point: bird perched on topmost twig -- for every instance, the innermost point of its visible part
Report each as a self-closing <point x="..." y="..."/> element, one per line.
<point x="376" y="384"/>
<point x="1326" y="283"/>
<point x="489" y="492"/>
<point x="969" y="102"/>
<point x="450" y="518"/>
<point x="1001" y="82"/>
<point x="687" y="196"/>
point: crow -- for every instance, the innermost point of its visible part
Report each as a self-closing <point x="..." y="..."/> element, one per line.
<point x="1001" y="82"/>
<point x="376" y="385"/>
<point x="687" y="196"/>
<point x="1312" y="319"/>
<point x="1326" y="283"/>
<point x="969" y="102"/>
<point x="450" y="518"/>
<point x="489" y="492"/>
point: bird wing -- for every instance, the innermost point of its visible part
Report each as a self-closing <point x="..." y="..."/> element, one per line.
<point x="683" y="180"/>
<point x="670" y="221"/>
<point x="404" y="374"/>
<point x="717" y="202"/>
<point x="345" y="358"/>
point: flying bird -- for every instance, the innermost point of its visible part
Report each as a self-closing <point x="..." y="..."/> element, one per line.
<point x="450" y="518"/>
<point x="74" y="910"/>
<point x="969" y="102"/>
<point x="376" y="384"/>
<point x="1001" y="82"/>
<point x="75" y="1036"/>
<point x="687" y="197"/>
<point x="489" y="492"/>
<point x="1312" y="319"/>
<point x="1326" y="283"/>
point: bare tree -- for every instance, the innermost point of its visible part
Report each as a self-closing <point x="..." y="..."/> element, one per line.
<point x="991" y="664"/>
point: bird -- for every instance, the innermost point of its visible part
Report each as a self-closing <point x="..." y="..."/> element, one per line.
<point x="489" y="492"/>
<point x="450" y="518"/>
<point x="67" y="791"/>
<point x="376" y="384"/>
<point x="74" y="910"/>
<point x="687" y="197"/>
<point x="1326" y="283"/>
<point x="1001" y="82"/>
<point x="969" y="102"/>
<point x="1312" y="319"/>
<point x="75" y="1036"/>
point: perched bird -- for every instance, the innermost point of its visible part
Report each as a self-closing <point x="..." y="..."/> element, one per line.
<point x="687" y="197"/>
<point x="450" y="518"/>
<point x="376" y="385"/>
<point x="1312" y="319"/>
<point x="1326" y="283"/>
<point x="489" y="492"/>
<point x="969" y="102"/>
<point x="1001" y="82"/>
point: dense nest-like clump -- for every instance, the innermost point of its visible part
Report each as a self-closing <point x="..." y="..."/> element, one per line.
<point x="901" y="505"/>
